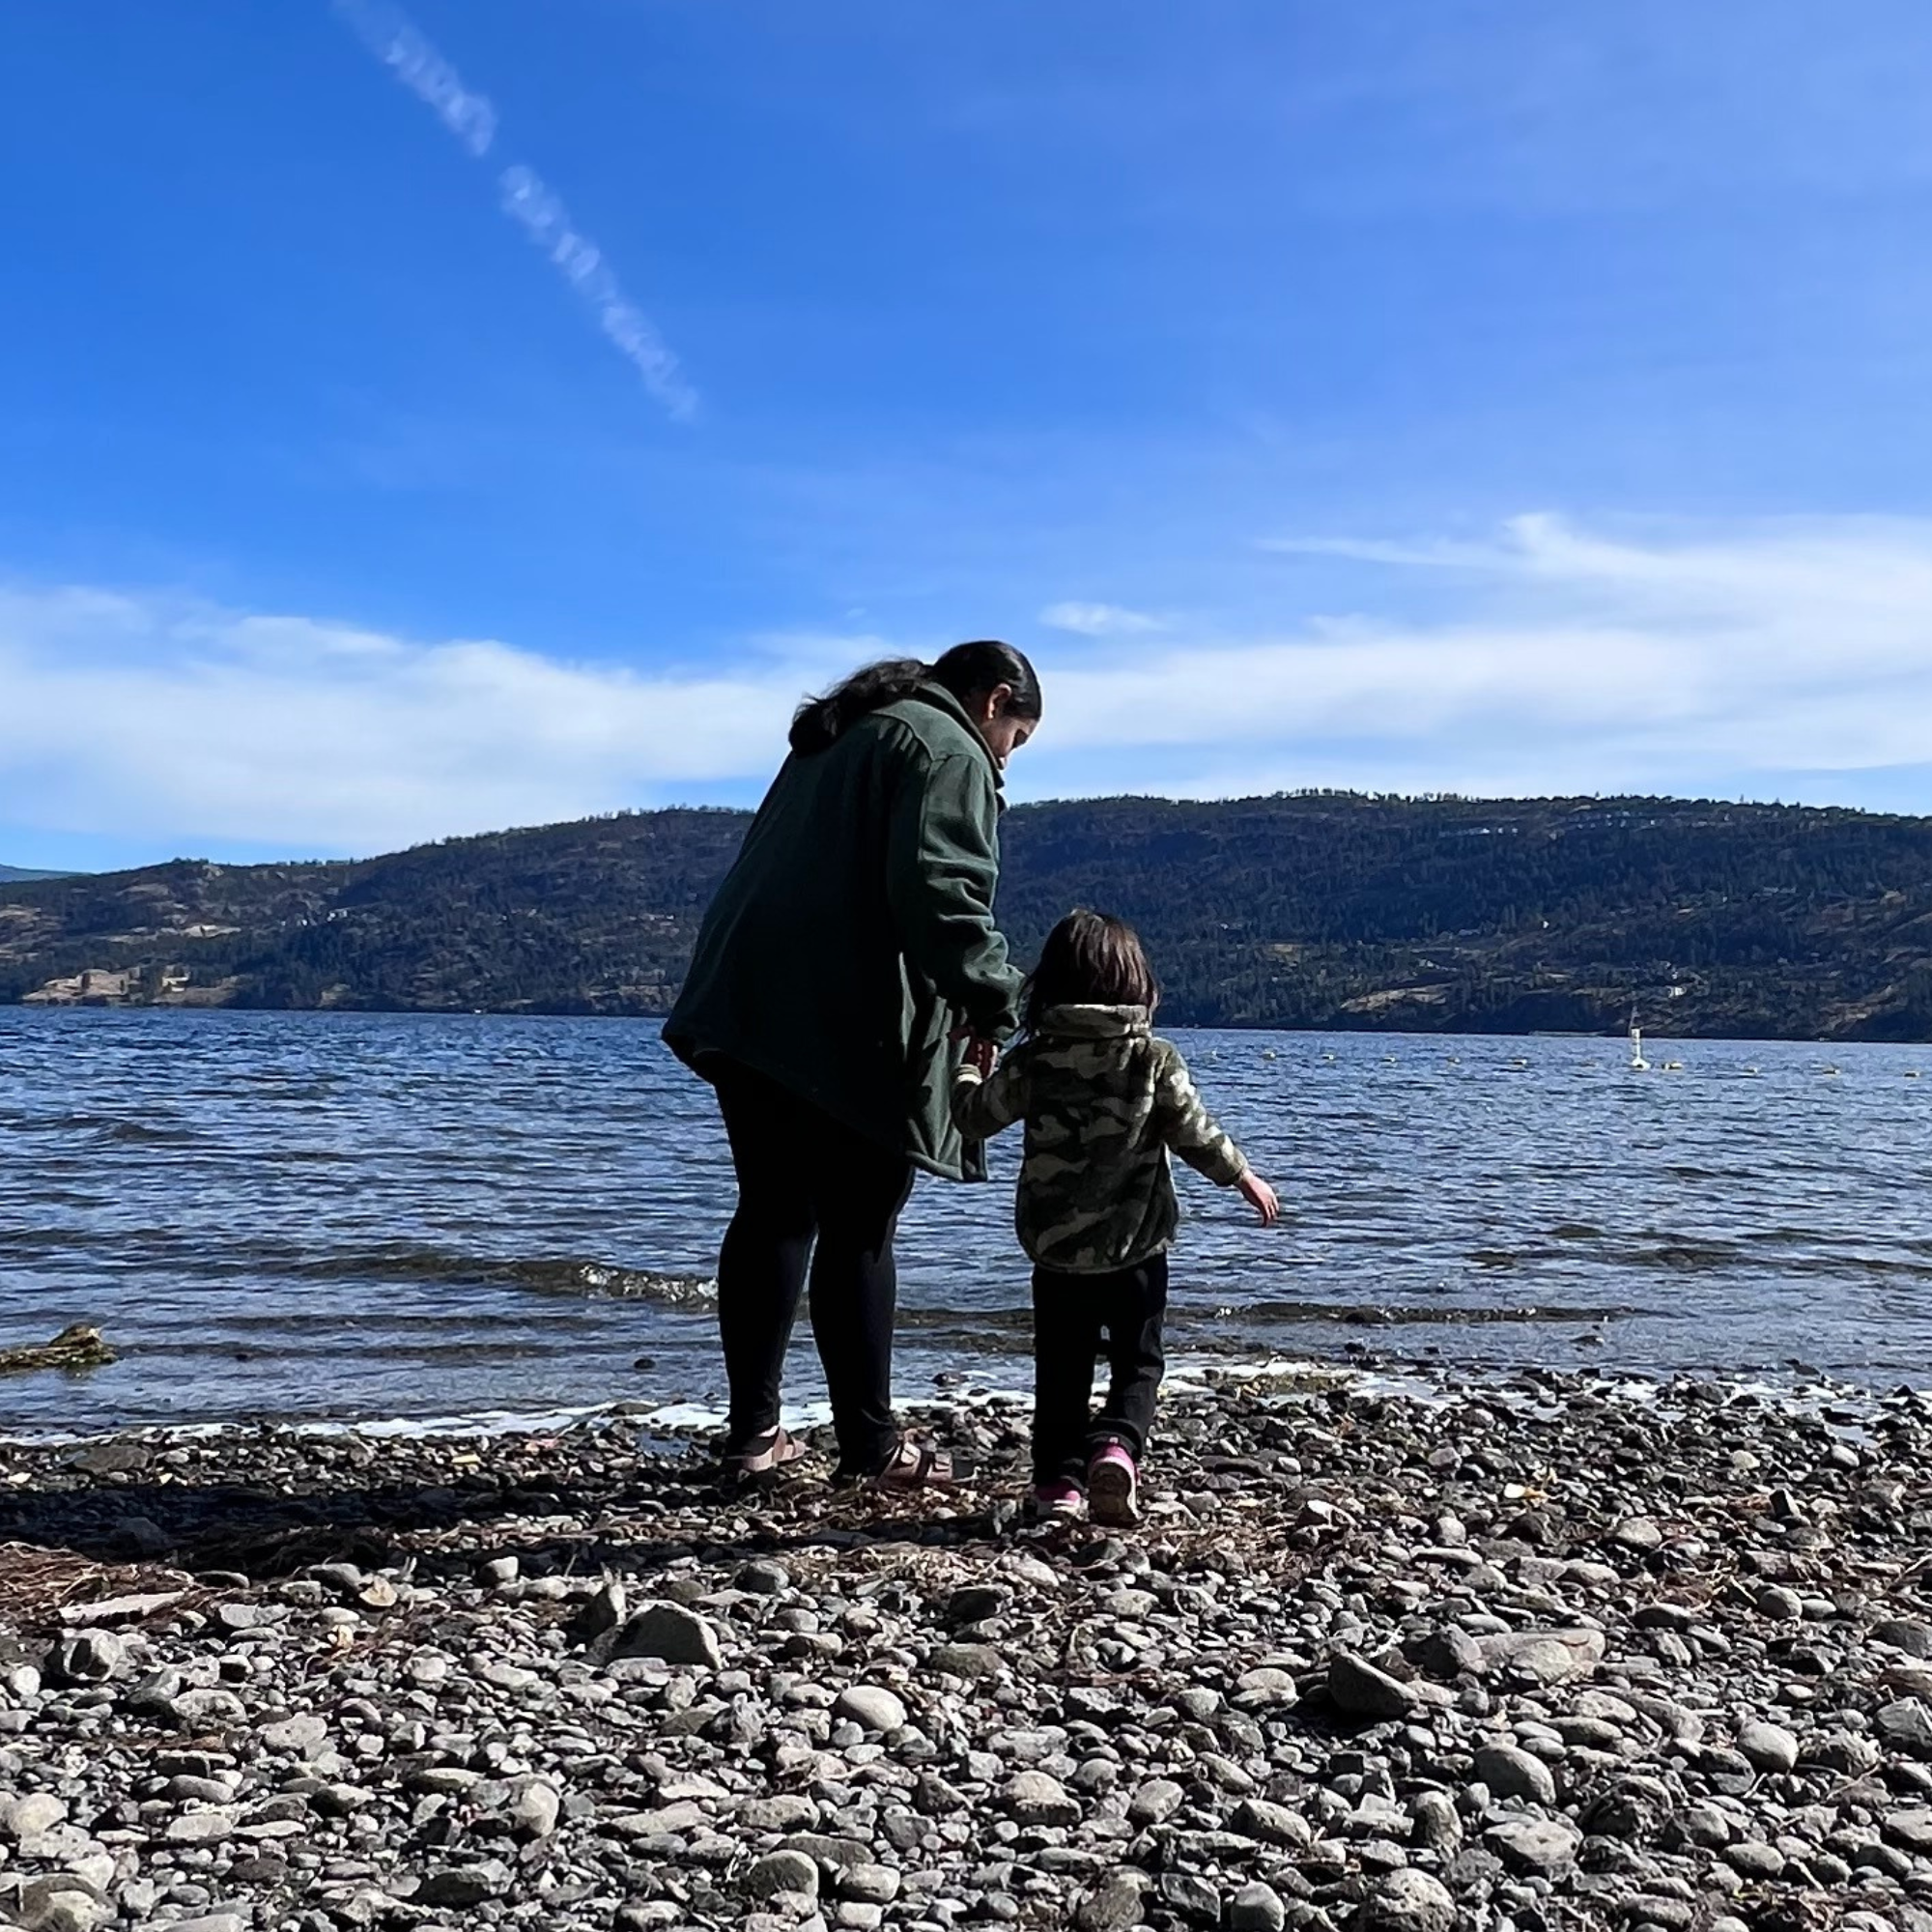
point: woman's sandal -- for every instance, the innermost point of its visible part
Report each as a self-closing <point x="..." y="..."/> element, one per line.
<point x="762" y="1454"/>
<point x="916" y="1465"/>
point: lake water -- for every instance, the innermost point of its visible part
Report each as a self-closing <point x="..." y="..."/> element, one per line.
<point x="330" y="1215"/>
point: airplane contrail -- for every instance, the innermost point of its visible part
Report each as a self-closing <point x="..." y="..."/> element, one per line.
<point x="393" y="39"/>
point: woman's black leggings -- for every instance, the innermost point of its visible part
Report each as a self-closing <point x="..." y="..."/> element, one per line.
<point x="804" y="1177"/>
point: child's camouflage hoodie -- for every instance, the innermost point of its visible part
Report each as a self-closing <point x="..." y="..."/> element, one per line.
<point x="1104" y="1101"/>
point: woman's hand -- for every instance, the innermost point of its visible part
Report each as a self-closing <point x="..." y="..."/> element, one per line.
<point x="1261" y="1197"/>
<point x="981" y="1054"/>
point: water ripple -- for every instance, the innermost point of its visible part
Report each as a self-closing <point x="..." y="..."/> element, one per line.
<point x="329" y="1214"/>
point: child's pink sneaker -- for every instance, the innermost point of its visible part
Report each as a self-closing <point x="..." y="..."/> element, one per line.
<point x="1059" y="1499"/>
<point x="1113" y="1488"/>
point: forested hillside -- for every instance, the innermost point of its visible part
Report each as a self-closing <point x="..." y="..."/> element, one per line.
<point x="1315" y="910"/>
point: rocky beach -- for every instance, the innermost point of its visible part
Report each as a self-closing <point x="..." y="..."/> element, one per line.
<point x="1544" y="1650"/>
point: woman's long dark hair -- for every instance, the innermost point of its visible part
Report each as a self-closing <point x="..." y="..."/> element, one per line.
<point x="965" y="670"/>
<point x="1089" y="959"/>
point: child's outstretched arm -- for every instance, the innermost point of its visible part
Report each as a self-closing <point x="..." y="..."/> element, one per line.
<point x="1194" y="1134"/>
<point x="982" y="1104"/>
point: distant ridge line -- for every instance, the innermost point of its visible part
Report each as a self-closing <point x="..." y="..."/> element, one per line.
<point x="1316" y="909"/>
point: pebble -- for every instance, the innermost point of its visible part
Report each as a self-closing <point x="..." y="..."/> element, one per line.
<point x="1511" y="1771"/>
<point x="1546" y="1847"/>
<point x="1114" y="1905"/>
<point x="1370" y="1665"/>
<point x="1033" y="1798"/>
<point x="671" y="1633"/>
<point x="870" y="1707"/>
<point x="1257" y="1908"/>
<point x="1155" y="1801"/>
<point x="782" y="1871"/>
<point x="1768" y="1747"/>
<point x="31" y="1816"/>
<point x="1361" y="1690"/>
<point x="1407" y="1902"/>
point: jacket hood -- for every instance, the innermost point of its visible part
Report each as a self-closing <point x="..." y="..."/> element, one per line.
<point x="941" y="699"/>
<point x="1096" y="1023"/>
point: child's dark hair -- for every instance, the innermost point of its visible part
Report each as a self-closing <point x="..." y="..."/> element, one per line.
<point x="1089" y="959"/>
<point x="966" y="670"/>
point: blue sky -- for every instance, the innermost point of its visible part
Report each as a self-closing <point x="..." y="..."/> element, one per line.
<point x="1432" y="395"/>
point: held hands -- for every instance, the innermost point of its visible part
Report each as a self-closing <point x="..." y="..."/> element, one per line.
<point x="1261" y="1197"/>
<point x="981" y="1054"/>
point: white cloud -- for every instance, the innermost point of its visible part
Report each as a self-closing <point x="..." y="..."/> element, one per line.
<point x="1583" y="660"/>
<point x="1588" y="662"/>
<point x="191" y="724"/>
<point x="1096" y="620"/>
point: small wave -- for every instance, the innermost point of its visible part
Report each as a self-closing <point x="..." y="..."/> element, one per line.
<point x="113" y="1128"/>
<point x="1376" y="1314"/>
<point x="541" y="1274"/>
<point x="1687" y="1256"/>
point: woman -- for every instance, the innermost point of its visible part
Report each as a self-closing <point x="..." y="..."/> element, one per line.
<point x="850" y="948"/>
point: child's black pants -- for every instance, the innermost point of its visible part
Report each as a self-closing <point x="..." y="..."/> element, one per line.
<point x="1077" y="1318"/>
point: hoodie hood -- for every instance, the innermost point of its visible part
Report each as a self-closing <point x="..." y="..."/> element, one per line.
<point x="1094" y="1023"/>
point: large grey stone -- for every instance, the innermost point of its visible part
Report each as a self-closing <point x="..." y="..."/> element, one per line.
<point x="975" y="1603"/>
<point x="302" y="1736"/>
<point x="1768" y="1747"/>
<point x="88" y="1657"/>
<point x="1545" y="1848"/>
<point x="1114" y="1904"/>
<point x="1361" y="1690"/>
<point x="1434" y="1824"/>
<point x="1033" y="1798"/>
<point x="869" y="1885"/>
<point x="533" y="1810"/>
<point x="671" y="1633"/>
<point x="1155" y="1801"/>
<point x="976" y="1663"/>
<point x="1511" y="1771"/>
<point x="1546" y="1656"/>
<point x="31" y="1816"/>
<point x="1271" y="1824"/>
<point x="66" y="1910"/>
<point x="782" y="1871"/>
<point x="872" y="1707"/>
<point x="1407" y="1901"/>
<point x="782" y="1811"/>
<point x="1911" y="1634"/>
<point x="201" y="1828"/>
<point x="1907" y="1724"/>
<point x="1912" y="1830"/>
<point x="1257" y="1908"/>
<point x="466" y="1886"/>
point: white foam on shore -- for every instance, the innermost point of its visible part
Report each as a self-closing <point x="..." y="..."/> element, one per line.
<point x="1189" y="1375"/>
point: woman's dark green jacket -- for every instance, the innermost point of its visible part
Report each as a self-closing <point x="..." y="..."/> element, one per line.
<point x="855" y="931"/>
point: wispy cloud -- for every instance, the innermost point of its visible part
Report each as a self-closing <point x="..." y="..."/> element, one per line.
<point x="1098" y="620"/>
<point x="391" y="36"/>
<point x="386" y="32"/>
<point x="1586" y="660"/>
<point x="544" y="219"/>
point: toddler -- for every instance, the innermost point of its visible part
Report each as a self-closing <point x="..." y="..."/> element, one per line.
<point x="1104" y="1101"/>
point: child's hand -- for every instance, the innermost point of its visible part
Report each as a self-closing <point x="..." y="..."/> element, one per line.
<point x="1261" y="1197"/>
